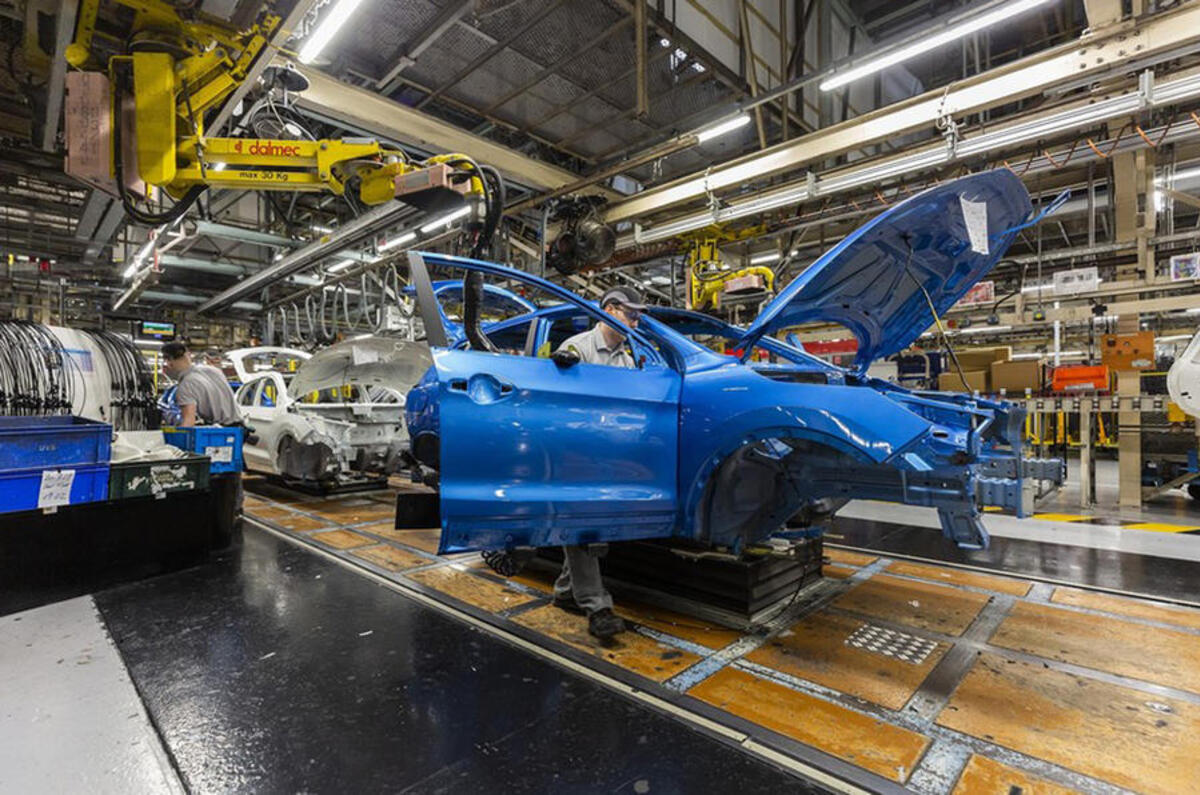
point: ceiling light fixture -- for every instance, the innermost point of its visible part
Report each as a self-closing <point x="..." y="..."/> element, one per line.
<point x="138" y="259"/>
<point x="446" y="220"/>
<point x="721" y="128"/>
<point x="761" y="258"/>
<point x="335" y="16"/>
<point x="1179" y="176"/>
<point x="984" y="329"/>
<point x="407" y="237"/>
<point x="927" y="43"/>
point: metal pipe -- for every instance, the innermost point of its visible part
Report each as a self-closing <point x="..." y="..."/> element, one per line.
<point x="1101" y="54"/>
<point x="354" y="231"/>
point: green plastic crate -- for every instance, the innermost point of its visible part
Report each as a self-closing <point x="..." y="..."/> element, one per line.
<point x="153" y="478"/>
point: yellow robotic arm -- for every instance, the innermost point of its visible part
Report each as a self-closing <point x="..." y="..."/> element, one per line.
<point x="154" y="96"/>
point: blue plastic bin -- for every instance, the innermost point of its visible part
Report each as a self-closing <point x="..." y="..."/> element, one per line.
<point x="19" y="488"/>
<point x="213" y="441"/>
<point x="52" y="442"/>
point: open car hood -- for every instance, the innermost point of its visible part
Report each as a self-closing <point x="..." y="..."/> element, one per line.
<point x="364" y="362"/>
<point x="868" y="283"/>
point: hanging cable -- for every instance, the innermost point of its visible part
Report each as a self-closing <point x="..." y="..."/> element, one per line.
<point x="933" y="311"/>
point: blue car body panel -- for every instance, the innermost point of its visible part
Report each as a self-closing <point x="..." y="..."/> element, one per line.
<point x="871" y="282"/>
<point x="518" y="483"/>
<point x="701" y="445"/>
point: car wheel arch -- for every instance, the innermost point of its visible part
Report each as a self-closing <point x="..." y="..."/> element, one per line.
<point x="701" y="485"/>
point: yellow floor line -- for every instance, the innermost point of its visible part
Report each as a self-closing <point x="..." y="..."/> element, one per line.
<point x="1161" y="527"/>
<point x="1060" y="517"/>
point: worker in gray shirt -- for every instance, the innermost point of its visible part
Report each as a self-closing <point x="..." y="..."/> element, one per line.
<point x="579" y="588"/>
<point x="203" y="393"/>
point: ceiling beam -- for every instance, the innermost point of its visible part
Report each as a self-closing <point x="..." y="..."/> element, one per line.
<point x="492" y="52"/>
<point x="378" y="115"/>
<point x="613" y="29"/>
<point x="56" y="83"/>
<point x="1166" y="33"/>
<point x="408" y="53"/>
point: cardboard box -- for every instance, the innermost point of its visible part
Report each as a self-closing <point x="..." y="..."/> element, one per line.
<point x="982" y="358"/>
<point x="1016" y="377"/>
<point x="1128" y="351"/>
<point x="977" y="381"/>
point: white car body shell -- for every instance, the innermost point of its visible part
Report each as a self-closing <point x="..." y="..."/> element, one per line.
<point x="355" y="427"/>
<point x="1183" y="379"/>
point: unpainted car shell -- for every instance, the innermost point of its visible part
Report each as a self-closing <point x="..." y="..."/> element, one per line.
<point x="335" y="440"/>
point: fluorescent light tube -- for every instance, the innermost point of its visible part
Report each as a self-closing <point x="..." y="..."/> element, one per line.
<point x="927" y="43"/>
<point x="332" y="20"/>
<point x="761" y="258"/>
<point x="983" y="329"/>
<point x="341" y="266"/>
<point x="727" y="126"/>
<point x="132" y="269"/>
<point x="447" y="219"/>
<point x="1179" y="175"/>
<point x="407" y="237"/>
<point x="321" y="230"/>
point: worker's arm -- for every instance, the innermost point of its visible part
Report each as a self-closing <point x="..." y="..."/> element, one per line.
<point x="187" y="415"/>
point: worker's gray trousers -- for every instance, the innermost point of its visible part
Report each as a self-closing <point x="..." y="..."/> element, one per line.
<point x="581" y="578"/>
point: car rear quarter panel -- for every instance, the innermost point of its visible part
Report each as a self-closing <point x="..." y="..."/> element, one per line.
<point x="729" y="406"/>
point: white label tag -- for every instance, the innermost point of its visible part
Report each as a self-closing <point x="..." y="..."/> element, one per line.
<point x="219" y="454"/>
<point x="360" y="355"/>
<point x="975" y="216"/>
<point x="56" y="487"/>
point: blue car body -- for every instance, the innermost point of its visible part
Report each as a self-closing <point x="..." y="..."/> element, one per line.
<point x="724" y="450"/>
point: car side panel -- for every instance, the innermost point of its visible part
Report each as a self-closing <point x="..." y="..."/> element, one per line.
<point x="726" y="407"/>
<point x="537" y="455"/>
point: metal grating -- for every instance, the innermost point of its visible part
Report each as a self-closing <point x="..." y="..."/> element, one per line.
<point x="891" y="643"/>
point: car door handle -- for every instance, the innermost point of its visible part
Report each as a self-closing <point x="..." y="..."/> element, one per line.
<point x="483" y="388"/>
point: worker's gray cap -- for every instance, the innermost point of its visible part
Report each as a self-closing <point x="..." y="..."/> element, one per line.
<point x="625" y="296"/>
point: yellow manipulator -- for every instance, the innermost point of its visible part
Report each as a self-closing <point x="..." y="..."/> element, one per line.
<point x="171" y="74"/>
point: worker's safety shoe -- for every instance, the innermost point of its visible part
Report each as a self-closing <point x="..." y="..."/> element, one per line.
<point x="569" y="604"/>
<point x="604" y="624"/>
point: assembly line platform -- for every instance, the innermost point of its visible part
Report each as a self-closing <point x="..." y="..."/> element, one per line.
<point x="889" y="673"/>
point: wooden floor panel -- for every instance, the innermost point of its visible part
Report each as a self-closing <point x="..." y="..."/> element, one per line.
<point x="836" y="572"/>
<point x="629" y="650"/>
<point x="690" y="628"/>
<point x="949" y="576"/>
<point x="300" y="523"/>
<point x="815" y="649"/>
<point x="1134" y="608"/>
<point x="342" y="539"/>
<point x="424" y="540"/>
<point x="391" y="558"/>
<point x="984" y="776"/>
<point x="861" y="740"/>
<point x="1163" y="656"/>
<point x="917" y="604"/>
<point x="849" y="558"/>
<point x="466" y="587"/>
<point x="269" y="512"/>
<point x="1149" y="744"/>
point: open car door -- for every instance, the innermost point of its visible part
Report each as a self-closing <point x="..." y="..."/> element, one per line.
<point x="536" y="454"/>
